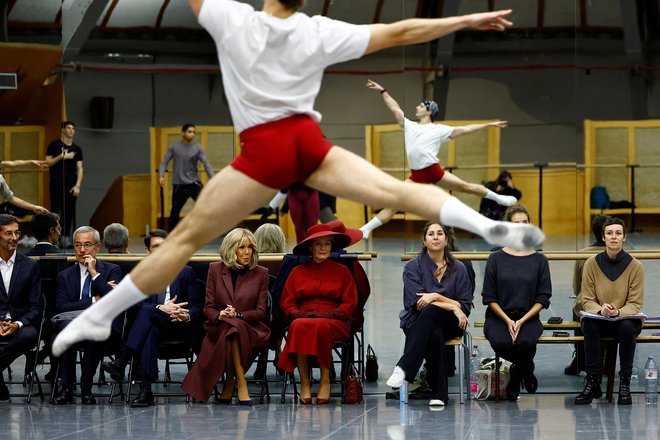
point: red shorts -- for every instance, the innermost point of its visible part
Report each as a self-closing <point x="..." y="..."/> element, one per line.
<point x="282" y="152"/>
<point x="430" y="174"/>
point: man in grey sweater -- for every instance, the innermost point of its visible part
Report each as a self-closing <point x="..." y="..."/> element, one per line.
<point x="185" y="179"/>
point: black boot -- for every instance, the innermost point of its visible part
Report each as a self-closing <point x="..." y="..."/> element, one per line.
<point x="624" y="389"/>
<point x="529" y="381"/>
<point x="513" y="388"/>
<point x="145" y="397"/>
<point x="591" y="390"/>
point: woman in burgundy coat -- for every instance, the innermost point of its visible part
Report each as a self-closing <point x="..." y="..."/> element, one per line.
<point x="235" y="309"/>
<point x="318" y="301"/>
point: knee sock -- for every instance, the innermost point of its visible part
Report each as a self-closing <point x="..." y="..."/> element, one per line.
<point x="516" y="235"/>
<point x="369" y="227"/>
<point x="501" y="199"/>
<point x="94" y="323"/>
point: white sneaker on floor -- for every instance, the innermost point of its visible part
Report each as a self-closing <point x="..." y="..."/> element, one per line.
<point x="397" y="378"/>
<point x="436" y="402"/>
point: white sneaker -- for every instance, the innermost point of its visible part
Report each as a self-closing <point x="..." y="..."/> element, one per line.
<point x="397" y="378"/>
<point x="436" y="402"/>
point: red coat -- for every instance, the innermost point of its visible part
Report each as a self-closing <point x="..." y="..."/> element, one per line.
<point x="249" y="298"/>
<point x="323" y="289"/>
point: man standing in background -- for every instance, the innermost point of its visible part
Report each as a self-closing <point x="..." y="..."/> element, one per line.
<point x="65" y="160"/>
<point x="185" y="179"/>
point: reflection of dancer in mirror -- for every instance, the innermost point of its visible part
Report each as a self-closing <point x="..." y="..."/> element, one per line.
<point x="272" y="63"/>
<point x="423" y="140"/>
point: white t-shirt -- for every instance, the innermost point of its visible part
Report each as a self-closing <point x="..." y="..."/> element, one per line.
<point x="423" y="142"/>
<point x="271" y="67"/>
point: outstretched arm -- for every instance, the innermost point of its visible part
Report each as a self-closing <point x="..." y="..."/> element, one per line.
<point x="465" y="129"/>
<point x="420" y="30"/>
<point x="26" y="205"/>
<point x="22" y="162"/>
<point x="389" y="101"/>
<point x="195" y="5"/>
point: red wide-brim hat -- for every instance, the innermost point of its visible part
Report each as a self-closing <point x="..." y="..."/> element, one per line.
<point x="322" y="230"/>
<point x="354" y="234"/>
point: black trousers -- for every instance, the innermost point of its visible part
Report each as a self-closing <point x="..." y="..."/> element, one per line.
<point x="18" y="343"/>
<point x="425" y="340"/>
<point x="624" y="332"/>
<point x="62" y="202"/>
<point x="522" y="352"/>
<point x="180" y="195"/>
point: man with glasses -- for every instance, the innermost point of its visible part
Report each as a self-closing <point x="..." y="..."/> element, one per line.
<point x="423" y="140"/>
<point x="21" y="303"/>
<point x="78" y="287"/>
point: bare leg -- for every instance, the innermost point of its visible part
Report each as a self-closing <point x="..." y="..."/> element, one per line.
<point x="453" y="183"/>
<point x="228" y="198"/>
<point x="239" y="371"/>
<point x="344" y="174"/>
<point x="324" y="384"/>
<point x="303" y="371"/>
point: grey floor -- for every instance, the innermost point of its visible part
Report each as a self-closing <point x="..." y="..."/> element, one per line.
<point x="548" y="414"/>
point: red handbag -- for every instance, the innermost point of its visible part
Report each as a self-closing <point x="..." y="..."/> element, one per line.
<point x="353" y="387"/>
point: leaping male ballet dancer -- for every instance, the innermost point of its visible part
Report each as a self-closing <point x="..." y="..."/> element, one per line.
<point x="422" y="142"/>
<point x="272" y="64"/>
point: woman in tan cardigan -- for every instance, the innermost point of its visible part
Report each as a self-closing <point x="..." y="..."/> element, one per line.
<point x="612" y="287"/>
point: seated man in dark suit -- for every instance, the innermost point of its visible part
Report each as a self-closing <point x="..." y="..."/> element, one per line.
<point x="21" y="304"/>
<point x="46" y="229"/>
<point x="78" y="287"/>
<point x="167" y="314"/>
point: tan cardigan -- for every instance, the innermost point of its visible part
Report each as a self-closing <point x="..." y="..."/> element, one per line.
<point x="626" y="293"/>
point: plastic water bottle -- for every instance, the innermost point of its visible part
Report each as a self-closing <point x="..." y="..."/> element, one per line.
<point x="474" y="379"/>
<point x="651" y="382"/>
<point x="475" y="349"/>
<point x="403" y="393"/>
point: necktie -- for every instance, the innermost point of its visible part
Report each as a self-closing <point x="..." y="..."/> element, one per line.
<point x="86" y="287"/>
<point x="161" y="297"/>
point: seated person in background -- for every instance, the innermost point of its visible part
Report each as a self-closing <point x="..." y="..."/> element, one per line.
<point x="516" y="288"/>
<point x="503" y="185"/>
<point x="235" y="308"/>
<point x="78" y="287"/>
<point x="115" y="238"/>
<point x="437" y="298"/>
<point x="46" y="229"/>
<point x="318" y="301"/>
<point x="271" y="240"/>
<point x="612" y="285"/>
<point x="168" y="315"/>
<point x="597" y="223"/>
<point x="21" y="303"/>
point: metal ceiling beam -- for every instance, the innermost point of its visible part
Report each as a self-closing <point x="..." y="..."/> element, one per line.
<point x="79" y="17"/>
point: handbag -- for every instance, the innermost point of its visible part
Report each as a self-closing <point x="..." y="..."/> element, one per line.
<point x="486" y="386"/>
<point x="371" y="365"/>
<point x="353" y="387"/>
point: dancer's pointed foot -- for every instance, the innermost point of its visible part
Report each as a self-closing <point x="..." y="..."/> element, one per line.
<point x="515" y="235"/>
<point x="80" y="329"/>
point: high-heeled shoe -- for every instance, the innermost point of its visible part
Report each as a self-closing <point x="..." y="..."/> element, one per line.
<point x="321" y="401"/>
<point x="245" y="402"/>
<point x="305" y="400"/>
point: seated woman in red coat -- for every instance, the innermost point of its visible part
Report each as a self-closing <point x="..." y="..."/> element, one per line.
<point x="235" y="308"/>
<point x="318" y="301"/>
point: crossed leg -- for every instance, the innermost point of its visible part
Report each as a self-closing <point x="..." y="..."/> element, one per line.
<point x="231" y="195"/>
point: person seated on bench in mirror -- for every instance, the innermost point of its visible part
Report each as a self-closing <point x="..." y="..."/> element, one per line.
<point x="516" y="288"/>
<point x="437" y="298"/>
<point x="612" y="286"/>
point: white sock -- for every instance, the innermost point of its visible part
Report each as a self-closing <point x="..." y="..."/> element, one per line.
<point x="516" y="235"/>
<point x="94" y="323"/>
<point x="277" y="200"/>
<point x="501" y="199"/>
<point x="373" y="224"/>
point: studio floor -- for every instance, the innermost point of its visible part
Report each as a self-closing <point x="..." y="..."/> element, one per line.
<point x="549" y="413"/>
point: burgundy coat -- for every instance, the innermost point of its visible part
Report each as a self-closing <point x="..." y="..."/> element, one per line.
<point x="249" y="298"/>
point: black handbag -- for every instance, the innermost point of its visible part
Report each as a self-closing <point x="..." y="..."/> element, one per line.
<point x="371" y="367"/>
